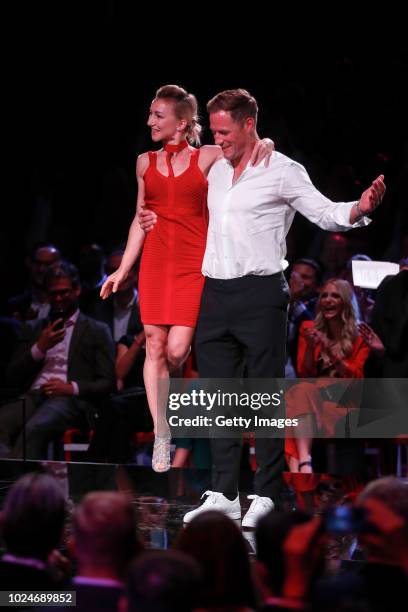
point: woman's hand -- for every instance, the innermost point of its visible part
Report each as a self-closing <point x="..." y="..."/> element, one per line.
<point x="311" y="337"/>
<point x="112" y="283"/>
<point x="263" y="149"/>
<point x="371" y="338"/>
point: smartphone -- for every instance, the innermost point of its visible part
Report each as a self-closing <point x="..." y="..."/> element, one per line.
<point x="342" y="520"/>
<point x="53" y="317"/>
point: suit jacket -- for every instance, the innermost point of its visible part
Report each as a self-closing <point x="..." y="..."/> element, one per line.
<point x="91" y="361"/>
<point x="390" y="321"/>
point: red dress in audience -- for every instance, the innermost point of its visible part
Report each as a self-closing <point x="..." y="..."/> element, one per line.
<point x="310" y="398"/>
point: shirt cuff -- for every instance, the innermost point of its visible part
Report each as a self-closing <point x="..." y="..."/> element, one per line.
<point x="75" y="387"/>
<point x="36" y="353"/>
<point x="361" y="222"/>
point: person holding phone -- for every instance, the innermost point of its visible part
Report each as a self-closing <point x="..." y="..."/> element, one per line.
<point x="62" y="367"/>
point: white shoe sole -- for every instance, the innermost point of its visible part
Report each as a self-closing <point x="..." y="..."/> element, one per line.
<point x="232" y="515"/>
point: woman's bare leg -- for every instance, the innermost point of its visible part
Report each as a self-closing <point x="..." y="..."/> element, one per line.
<point x="178" y="346"/>
<point x="156" y="376"/>
<point x="166" y="349"/>
<point x="304" y="439"/>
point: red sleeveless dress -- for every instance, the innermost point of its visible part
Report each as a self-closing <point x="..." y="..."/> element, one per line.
<point x="170" y="279"/>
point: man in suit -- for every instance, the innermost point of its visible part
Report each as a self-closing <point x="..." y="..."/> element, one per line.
<point x="63" y="367"/>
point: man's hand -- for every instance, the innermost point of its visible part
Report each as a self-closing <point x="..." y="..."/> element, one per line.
<point x="372" y="196"/>
<point x="55" y="387"/>
<point x="50" y="337"/>
<point x="263" y="149"/>
<point x="147" y="219"/>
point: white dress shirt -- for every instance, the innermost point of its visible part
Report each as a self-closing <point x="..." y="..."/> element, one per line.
<point x="122" y="316"/>
<point x="56" y="358"/>
<point x="249" y="220"/>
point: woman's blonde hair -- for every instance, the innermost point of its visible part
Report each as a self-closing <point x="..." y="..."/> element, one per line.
<point x="185" y="107"/>
<point x="349" y="330"/>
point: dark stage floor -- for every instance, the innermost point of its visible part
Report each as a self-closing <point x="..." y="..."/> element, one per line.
<point x="161" y="500"/>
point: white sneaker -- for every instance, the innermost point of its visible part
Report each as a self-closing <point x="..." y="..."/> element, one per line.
<point x="216" y="501"/>
<point x="258" y="508"/>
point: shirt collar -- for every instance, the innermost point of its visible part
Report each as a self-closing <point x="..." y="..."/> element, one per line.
<point x="72" y="319"/>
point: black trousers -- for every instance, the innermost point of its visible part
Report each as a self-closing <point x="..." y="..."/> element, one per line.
<point x="46" y="419"/>
<point x="242" y="326"/>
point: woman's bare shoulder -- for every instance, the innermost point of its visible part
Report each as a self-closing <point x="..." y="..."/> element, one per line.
<point x="142" y="163"/>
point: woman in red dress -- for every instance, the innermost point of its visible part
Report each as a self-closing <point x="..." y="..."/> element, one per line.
<point x="329" y="347"/>
<point x="171" y="182"/>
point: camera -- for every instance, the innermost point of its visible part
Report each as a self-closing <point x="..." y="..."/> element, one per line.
<point x="342" y="520"/>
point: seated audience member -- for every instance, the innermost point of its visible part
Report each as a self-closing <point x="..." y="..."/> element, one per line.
<point x="125" y="412"/>
<point x="64" y="368"/>
<point x="290" y="559"/>
<point x="390" y="323"/>
<point x="162" y="581"/>
<point x="379" y="583"/>
<point x="91" y="268"/>
<point x="363" y="301"/>
<point x="103" y="542"/>
<point x="120" y="311"/>
<point x="304" y="283"/>
<point x="216" y="543"/>
<point x="32" y="304"/>
<point x="386" y="503"/>
<point x="31" y="524"/>
<point x="334" y="254"/>
<point x="330" y="347"/>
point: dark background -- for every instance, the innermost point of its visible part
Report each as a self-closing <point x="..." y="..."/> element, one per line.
<point x="79" y="78"/>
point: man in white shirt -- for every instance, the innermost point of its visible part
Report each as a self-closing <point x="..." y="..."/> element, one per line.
<point x="243" y="315"/>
